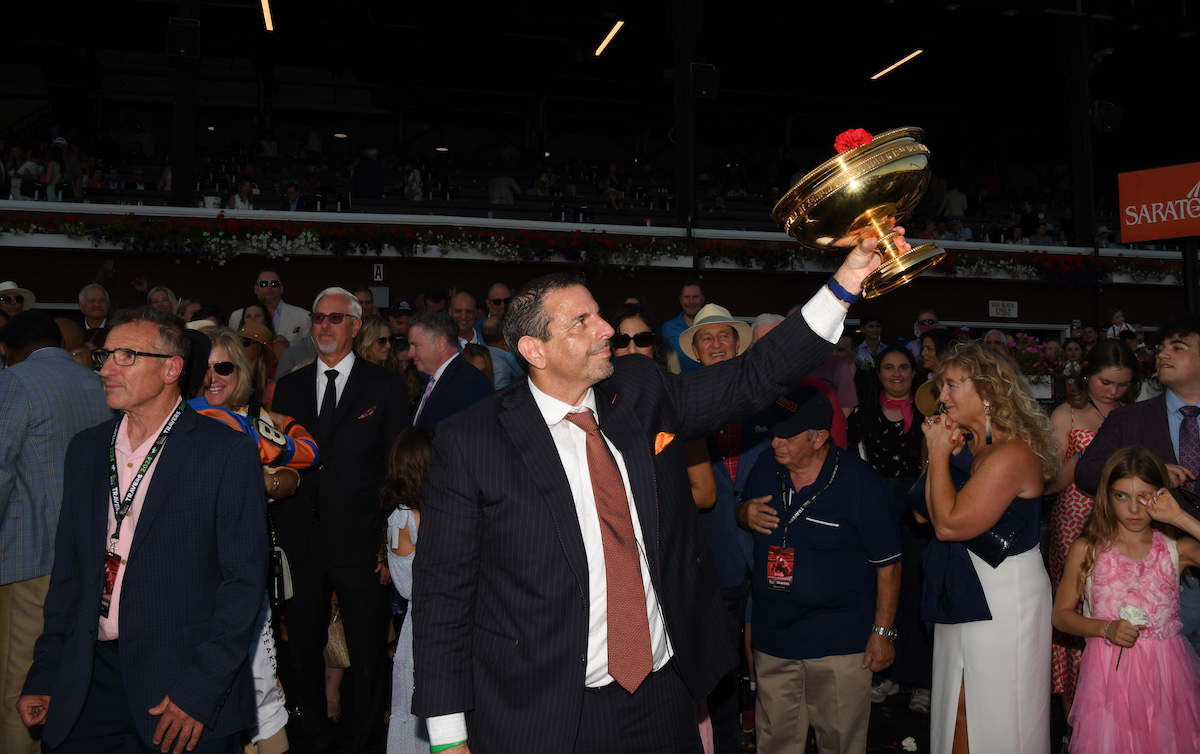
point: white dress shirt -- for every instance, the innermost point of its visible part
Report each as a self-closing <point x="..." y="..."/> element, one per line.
<point x="343" y="368"/>
<point x="570" y="442"/>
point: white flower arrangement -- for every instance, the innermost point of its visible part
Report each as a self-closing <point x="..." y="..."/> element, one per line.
<point x="909" y="744"/>
<point x="1135" y="616"/>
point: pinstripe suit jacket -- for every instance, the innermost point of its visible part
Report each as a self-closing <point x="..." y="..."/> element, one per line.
<point x="44" y="401"/>
<point x="195" y="580"/>
<point x="500" y="604"/>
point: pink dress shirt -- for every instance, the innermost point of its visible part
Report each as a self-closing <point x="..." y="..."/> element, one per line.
<point x="129" y="460"/>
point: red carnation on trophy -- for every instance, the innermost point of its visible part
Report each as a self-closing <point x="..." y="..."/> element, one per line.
<point x="852" y="139"/>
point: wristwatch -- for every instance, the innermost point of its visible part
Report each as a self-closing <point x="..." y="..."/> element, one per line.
<point x="888" y="633"/>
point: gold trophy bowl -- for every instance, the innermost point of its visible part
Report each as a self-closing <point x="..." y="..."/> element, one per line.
<point x="874" y="186"/>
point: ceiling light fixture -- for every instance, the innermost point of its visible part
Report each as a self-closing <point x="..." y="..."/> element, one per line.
<point x="339" y="136"/>
<point x="441" y="149"/>
<point x="212" y="128"/>
<point x="616" y="27"/>
<point x="898" y="63"/>
<point x="266" y="6"/>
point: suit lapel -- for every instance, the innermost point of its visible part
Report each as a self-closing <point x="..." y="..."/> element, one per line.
<point x="529" y="435"/>
<point x="623" y="430"/>
<point x="166" y="473"/>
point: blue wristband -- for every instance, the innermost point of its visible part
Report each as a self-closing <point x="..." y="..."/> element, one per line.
<point x="841" y="293"/>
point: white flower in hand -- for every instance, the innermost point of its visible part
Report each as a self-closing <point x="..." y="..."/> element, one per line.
<point x="1135" y="616"/>
<point x="909" y="744"/>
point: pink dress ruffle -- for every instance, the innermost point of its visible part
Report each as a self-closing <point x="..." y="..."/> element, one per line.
<point x="1151" y="702"/>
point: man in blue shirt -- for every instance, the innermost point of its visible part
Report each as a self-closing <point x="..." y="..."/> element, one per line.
<point x="826" y="582"/>
<point x="691" y="298"/>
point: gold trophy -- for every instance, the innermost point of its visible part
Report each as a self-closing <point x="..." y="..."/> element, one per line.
<point x="871" y="186"/>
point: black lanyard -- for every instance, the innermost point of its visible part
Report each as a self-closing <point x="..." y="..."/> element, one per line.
<point x="121" y="506"/>
<point x="786" y="496"/>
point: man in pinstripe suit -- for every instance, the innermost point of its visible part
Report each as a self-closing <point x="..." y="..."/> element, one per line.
<point x="511" y="605"/>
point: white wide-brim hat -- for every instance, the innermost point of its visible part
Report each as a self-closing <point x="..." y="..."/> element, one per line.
<point x="9" y="286"/>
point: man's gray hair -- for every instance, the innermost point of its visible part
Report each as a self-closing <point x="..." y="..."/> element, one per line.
<point x="171" y="336"/>
<point x="766" y="318"/>
<point x="83" y="291"/>
<point x="437" y="324"/>
<point x="355" y="306"/>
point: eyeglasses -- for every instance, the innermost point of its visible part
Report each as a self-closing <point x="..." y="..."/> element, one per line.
<point x="924" y="322"/>
<point x="641" y="340"/>
<point x="383" y="340"/>
<point x="500" y="301"/>
<point x="223" y="368"/>
<point x="335" y="318"/>
<point x="270" y="283"/>
<point x="247" y="342"/>
<point x="124" y="357"/>
<point x="12" y="299"/>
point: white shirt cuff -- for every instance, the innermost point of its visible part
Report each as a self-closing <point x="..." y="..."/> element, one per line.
<point x="825" y="315"/>
<point x="447" y="729"/>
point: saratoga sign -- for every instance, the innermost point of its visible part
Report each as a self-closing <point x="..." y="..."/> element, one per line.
<point x="1160" y="203"/>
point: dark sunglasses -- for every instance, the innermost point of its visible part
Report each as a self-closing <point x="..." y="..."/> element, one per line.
<point x="335" y="318"/>
<point x="924" y="322"/>
<point x="641" y="340"/>
<point x="381" y="341"/>
<point x="270" y="283"/>
<point x="500" y="301"/>
<point x="247" y="342"/>
<point x="12" y="299"/>
<point x="223" y="368"/>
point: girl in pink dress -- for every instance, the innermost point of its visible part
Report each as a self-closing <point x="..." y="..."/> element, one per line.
<point x="1138" y="687"/>
<point x="1106" y="381"/>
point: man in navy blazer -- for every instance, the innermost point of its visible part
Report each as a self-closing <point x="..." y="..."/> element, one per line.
<point x="1155" y="424"/>
<point x="453" y="383"/>
<point x="192" y="573"/>
<point x="511" y="584"/>
<point x="331" y="528"/>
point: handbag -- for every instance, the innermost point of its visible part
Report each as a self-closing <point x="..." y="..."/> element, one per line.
<point x="337" y="653"/>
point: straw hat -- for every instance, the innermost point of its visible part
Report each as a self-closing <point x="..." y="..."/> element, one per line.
<point x="712" y="314"/>
<point x="10" y="287"/>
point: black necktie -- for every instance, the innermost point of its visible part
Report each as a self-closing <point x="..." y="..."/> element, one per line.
<point x="329" y="402"/>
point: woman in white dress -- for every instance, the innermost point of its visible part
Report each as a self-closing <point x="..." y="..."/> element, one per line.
<point x="409" y="462"/>
<point x="992" y="659"/>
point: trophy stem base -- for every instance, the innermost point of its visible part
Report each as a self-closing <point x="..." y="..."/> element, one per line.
<point x="896" y="271"/>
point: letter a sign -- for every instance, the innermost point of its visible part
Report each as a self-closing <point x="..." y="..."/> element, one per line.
<point x="1160" y="203"/>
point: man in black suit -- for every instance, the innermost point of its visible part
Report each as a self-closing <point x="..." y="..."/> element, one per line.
<point x="1157" y="424"/>
<point x="564" y="596"/>
<point x="331" y="528"/>
<point x="453" y="383"/>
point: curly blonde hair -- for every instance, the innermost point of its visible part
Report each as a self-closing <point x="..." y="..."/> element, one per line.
<point x="1014" y="411"/>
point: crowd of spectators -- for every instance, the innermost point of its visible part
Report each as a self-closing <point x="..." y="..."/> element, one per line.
<point x="331" y="175"/>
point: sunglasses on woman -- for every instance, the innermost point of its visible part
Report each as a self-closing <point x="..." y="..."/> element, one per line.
<point x="641" y="340"/>
<point x="223" y="368"/>
<point x="382" y="341"/>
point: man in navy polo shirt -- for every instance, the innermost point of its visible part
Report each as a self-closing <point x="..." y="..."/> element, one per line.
<point x="826" y="582"/>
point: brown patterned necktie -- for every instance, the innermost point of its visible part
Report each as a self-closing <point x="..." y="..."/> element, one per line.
<point x="629" y="657"/>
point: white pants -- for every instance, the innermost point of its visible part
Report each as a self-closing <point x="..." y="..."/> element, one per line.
<point x="272" y="712"/>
